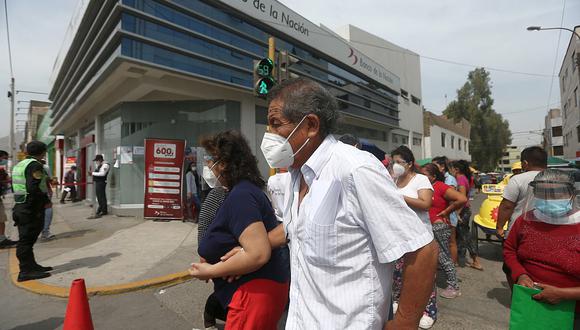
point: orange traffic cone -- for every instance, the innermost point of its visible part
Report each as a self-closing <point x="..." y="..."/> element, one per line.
<point x="78" y="313"/>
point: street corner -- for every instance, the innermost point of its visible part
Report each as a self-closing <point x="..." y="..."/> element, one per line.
<point x="43" y="288"/>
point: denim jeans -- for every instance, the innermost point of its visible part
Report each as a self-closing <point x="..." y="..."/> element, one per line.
<point x="47" y="221"/>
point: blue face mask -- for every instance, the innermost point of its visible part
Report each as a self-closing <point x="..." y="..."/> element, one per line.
<point x="4" y="162"/>
<point x="553" y="207"/>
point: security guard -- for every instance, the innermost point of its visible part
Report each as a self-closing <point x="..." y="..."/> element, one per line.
<point x="30" y="197"/>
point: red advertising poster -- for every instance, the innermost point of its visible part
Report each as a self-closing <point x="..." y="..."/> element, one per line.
<point x="163" y="179"/>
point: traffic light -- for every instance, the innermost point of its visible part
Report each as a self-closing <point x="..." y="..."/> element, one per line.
<point x="285" y="61"/>
<point x="263" y="79"/>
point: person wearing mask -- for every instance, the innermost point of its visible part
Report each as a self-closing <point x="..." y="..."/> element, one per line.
<point x="5" y="242"/>
<point x="460" y="169"/>
<point x="445" y="201"/>
<point x="100" y="179"/>
<point x="534" y="160"/>
<point x="69" y="185"/>
<point x="443" y="165"/>
<point x="350" y="140"/>
<point x="417" y="192"/>
<point x="192" y="198"/>
<point x="29" y="182"/>
<point x="542" y="249"/>
<point x="257" y="299"/>
<point x="342" y="218"/>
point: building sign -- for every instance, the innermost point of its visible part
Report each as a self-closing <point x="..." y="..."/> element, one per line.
<point x="281" y="18"/>
<point x="163" y="178"/>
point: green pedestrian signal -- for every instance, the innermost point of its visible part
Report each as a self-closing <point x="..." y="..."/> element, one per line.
<point x="263" y="79"/>
<point x="263" y="86"/>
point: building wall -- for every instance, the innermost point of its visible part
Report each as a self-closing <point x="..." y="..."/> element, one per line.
<point x="434" y="144"/>
<point x="569" y="77"/>
<point x="553" y="135"/>
<point x="407" y="66"/>
<point x="510" y="156"/>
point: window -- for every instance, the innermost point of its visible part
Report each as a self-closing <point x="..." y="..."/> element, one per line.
<point x="395" y="139"/>
<point x="505" y="161"/>
<point x="415" y="100"/>
<point x="405" y="140"/>
<point x="506" y="154"/>
<point x="405" y="94"/>
<point x="417" y="141"/>
<point x="443" y="140"/>
<point x="558" y="151"/>
<point x="452" y="142"/>
<point x="576" y="100"/>
<point x="459" y="143"/>
<point x="557" y="131"/>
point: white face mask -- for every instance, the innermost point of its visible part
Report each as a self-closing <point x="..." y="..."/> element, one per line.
<point x="278" y="151"/>
<point x="210" y="178"/>
<point x="398" y="170"/>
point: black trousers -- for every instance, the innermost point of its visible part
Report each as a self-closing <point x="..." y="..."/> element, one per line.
<point x="73" y="194"/>
<point x="29" y="225"/>
<point x="100" y="188"/>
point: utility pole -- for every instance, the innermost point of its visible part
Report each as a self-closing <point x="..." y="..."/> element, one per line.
<point x="11" y="137"/>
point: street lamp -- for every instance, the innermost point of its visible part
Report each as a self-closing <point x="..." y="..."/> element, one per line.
<point x="539" y="28"/>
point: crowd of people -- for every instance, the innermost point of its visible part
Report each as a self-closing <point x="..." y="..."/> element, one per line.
<point x="337" y="238"/>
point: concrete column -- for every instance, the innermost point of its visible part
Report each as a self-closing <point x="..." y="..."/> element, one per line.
<point x="248" y="122"/>
<point x="98" y="135"/>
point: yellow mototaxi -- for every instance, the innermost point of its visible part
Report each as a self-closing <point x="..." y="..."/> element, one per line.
<point x="486" y="219"/>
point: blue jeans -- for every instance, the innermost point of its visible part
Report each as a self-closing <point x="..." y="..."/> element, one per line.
<point x="47" y="221"/>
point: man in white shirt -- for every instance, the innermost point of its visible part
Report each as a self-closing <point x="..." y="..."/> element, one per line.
<point x="100" y="181"/>
<point x="534" y="160"/>
<point x="344" y="221"/>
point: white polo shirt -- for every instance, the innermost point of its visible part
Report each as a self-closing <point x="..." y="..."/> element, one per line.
<point x="350" y="227"/>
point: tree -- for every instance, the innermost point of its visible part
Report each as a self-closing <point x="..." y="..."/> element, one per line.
<point x="490" y="133"/>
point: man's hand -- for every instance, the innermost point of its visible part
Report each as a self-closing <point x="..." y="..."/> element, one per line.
<point x="550" y="294"/>
<point x="500" y="232"/>
<point x="201" y="271"/>
<point x="228" y="255"/>
<point x="525" y="280"/>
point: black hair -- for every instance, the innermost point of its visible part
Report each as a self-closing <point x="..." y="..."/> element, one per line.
<point x="301" y="97"/>
<point x="405" y="153"/>
<point x="463" y="167"/>
<point x="35" y="148"/>
<point x="233" y="150"/>
<point x="442" y="160"/>
<point x="73" y="168"/>
<point x="349" y="139"/>
<point x="433" y="170"/>
<point x="535" y="156"/>
<point x="3" y="153"/>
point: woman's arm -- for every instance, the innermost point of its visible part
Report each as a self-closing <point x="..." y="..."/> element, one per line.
<point x="423" y="202"/>
<point x="255" y="253"/>
<point x="456" y="201"/>
<point x="510" y="256"/>
<point x="554" y="295"/>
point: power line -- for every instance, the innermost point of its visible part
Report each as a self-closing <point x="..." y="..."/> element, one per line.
<point x="556" y="56"/>
<point x="8" y="38"/>
<point x="541" y="107"/>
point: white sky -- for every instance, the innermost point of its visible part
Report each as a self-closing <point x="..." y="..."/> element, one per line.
<point x="485" y="33"/>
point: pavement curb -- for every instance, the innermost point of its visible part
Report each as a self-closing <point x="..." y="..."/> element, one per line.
<point x="63" y="292"/>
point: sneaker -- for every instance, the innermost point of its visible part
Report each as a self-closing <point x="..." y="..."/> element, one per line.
<point x="450" y="293"/>
<point x="96" y="216"/>
<point x="46" y="238"/>
<point x="7" y="243"/>
<point x="395" y="307"/>
<point x="426" y="322"/>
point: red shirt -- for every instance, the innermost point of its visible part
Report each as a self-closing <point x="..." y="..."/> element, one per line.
<point x="439" y="202"/>
<point x="547" y="253"/>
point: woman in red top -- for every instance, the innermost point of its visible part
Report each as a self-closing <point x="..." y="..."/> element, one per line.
<point x="445" y="200"/>
<point x="543" y="246"/>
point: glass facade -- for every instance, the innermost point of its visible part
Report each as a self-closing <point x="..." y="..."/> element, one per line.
<point x="131" y="123"/>
<point x="195" y="37"/>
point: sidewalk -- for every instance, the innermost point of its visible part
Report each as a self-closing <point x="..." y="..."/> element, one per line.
<point x="113" y="254"/>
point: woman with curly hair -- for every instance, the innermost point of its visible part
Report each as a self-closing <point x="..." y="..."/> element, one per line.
<point x="257" y="299"/>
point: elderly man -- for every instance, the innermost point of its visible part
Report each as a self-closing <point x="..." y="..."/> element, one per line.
<point x="344" y="221"/>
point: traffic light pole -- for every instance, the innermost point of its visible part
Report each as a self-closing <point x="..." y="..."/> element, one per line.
<point x="11" y="137"/>
<point x="272" y="53"/>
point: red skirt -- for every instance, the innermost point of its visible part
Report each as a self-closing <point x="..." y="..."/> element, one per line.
<point x="257" y="305"/>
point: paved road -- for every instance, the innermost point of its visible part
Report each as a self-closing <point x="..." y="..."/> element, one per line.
<point x="483" y="304"/>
